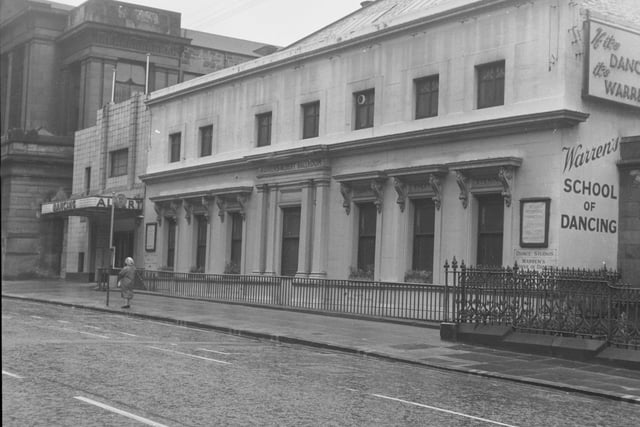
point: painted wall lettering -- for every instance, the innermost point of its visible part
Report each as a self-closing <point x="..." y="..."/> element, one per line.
<point x="578" y="156"/>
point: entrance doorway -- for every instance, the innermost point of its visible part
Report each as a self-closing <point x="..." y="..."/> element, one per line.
<point x="290" y="241"/>
<point x="123" y="242"/>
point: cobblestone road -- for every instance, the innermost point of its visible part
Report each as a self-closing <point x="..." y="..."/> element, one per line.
<point x="71" y="367"/>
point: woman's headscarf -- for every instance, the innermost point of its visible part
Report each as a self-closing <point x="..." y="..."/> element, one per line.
<point x="128" y="261"/>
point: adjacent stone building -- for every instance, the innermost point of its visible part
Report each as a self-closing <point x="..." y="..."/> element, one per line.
<point x="400" y="136"/>
<point x="59" y="66"/>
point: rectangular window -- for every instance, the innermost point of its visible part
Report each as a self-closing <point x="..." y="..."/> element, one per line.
<point x="364" y="102"/>
<point x="367" y="236"/>
<point x="87" y="181"/>
<point x="130" y="79"/>
<point x="201" y="241"/>
<point x="263" y="122"/>
<point x="236" y="240"/>
<point x="119" y="162"/>
<point x="174" y="143"/>
<point x="171" y="243"/>
<point x="490" y="229"/>
<point x="490" y="84"/>
<point x="310" y="119"/>
<point x="423" y="232"/>
<point x="427" y="96"/>
<point x="206" y="140"/>
<point x="290" y="241"/>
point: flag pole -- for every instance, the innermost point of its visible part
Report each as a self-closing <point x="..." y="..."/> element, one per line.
<point x="112" y="251"/>
<point x="146" y="78"/>
<point x="113" y="86"/>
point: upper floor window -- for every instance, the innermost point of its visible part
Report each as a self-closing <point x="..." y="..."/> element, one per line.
<point x="119" y="160"/>
<point x="490" y="84"/>
<point x="130" y="79"/>
<point x="263" y="122"/>
<point x="310" y="119"/>
<point x="174" y="147"/>
<point x="364" y="102"/>
<point x="427" y="96"/>
<point x="206" y="140"/>
<point x="87" y="180"/>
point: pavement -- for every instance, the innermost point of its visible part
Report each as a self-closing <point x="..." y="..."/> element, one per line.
<point x="417" y="344"/>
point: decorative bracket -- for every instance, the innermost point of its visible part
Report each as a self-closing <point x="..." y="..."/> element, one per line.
<point x="158" y="209"/>
<point x="205" y="204"/>
<point x="436" y="186"/>
<point x="221" y="207"/>
<point x="377" y="186"/>
<point x="463" y="183"/>
<point x="172" y="212"/>
<point x="505" y="174"/>
<point x="401" y="189"/>
<point x="346" y="191"/>
<point x="188" y="209"/>
<point x="241" y="199"/>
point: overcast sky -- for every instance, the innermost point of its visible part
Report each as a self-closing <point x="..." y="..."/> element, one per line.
<point x="278" y="22"/>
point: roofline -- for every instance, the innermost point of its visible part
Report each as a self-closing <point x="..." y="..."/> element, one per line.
<point x="228" y="74"/>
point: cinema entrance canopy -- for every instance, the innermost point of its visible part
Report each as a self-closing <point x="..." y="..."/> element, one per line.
<point x="94" y="206"/>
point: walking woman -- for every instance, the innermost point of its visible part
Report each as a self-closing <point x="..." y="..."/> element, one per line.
<point x="126" y="279"/>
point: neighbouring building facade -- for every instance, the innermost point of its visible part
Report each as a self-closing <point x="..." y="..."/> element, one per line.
<point x="59" y="66"/>
<point x="402" y="135"/>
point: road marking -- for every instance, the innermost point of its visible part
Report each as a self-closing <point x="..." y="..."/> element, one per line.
<point x="120" y="412"/>
<point x="190" y="355"/>
<point x="11" y="375"/>
<point x="92" y="327"/>
<point x="124" y="333"/>
<point x="442" y="410"/>
<point x="81" y="332"/>
<point x="215" y="351"/>
<point x="36" y="317"/>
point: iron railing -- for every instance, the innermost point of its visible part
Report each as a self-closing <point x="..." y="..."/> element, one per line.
<point x="567" y="302"/>
<point x="407" y="301"/>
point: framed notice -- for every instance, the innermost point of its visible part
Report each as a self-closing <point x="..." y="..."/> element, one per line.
<point x="150" y="237"/>
<point x="534" y="223"/>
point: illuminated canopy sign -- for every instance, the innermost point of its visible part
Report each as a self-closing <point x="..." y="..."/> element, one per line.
<point x="89" y="204"/>
<point x="613" y="64"/>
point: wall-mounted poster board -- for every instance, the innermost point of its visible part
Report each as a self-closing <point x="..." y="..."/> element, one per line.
<point x="150" y="238"/>
<point x="534" y="222"/>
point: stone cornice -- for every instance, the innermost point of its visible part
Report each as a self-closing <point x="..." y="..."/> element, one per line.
<point x="227" y="191"/>
<point x="511" y="125"/>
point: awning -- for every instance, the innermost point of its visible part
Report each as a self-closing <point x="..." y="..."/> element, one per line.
<point x="94" y="206"/>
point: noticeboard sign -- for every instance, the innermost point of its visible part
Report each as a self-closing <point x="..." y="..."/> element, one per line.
<point x="612" y="63"/>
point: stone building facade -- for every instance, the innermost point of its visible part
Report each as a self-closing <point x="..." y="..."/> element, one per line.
<point x="403" y="135"/>
<point x="59" y="65"/>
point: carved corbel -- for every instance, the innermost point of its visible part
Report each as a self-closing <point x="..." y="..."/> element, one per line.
<point x="463" y="183"/>
<point x="345" y="190"/>
<point x="158" y="209"/>
<point x="436" y="186"/>
<point x="205" y="204"/>
<point x="188" y="209"/>
<point x="242" y="200"/>
<point x="506" y="178"/>
<point x="172" y="212"/>
<point x="378" y="190"/>
<point x="401" y="189"/>
<point x="221" y="208"/>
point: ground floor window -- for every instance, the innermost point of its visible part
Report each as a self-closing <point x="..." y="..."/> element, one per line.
<point x="201" y="242"/>
<point x="171" y="243"/>
<point x="233" y="266"/>
<point x="423" y="232"/>
<point x="490" y="229"/>
<point x="290" y="241"/>
<point x="368" y="216"/>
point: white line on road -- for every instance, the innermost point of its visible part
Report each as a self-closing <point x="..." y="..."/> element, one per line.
<point x="36" y="317"/>
<point x="11" y="375"/>
<point x="93" y="327"/>
<point x="64" y="321"/>
<point x="125" y="333"/>
<point x="120" y="412"/>
<point x="190" y="355"/>
<point x="81" y="332"/>
<point x="441" y="410"/>
<point x="215" y="351"/>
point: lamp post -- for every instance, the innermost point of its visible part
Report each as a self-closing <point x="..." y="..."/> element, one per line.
<point x="112" y="250"/>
